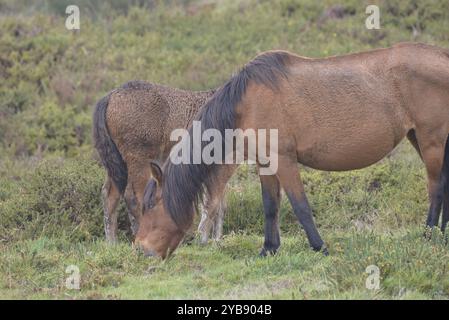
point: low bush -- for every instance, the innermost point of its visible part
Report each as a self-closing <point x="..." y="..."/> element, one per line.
<point x="59" y="198"/>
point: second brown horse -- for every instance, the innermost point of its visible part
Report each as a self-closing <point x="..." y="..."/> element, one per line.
<point x="132" y="126"/>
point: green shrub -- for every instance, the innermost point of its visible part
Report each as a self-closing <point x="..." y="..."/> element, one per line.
<point x="59" y="198"/>
<point x="57" y="129"/>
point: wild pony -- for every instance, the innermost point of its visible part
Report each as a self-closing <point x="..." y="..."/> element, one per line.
<point x="131" y="127"/>
<point x="337" y="113"/>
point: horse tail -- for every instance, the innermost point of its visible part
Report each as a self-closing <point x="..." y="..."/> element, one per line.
<point x="107" y="149"/>
<point x="184" y="184"/>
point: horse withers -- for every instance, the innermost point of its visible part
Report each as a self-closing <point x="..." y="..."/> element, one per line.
<point x="334" y="114"/>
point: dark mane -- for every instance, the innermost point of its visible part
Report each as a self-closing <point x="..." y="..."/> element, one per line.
<point x="184" y="184"/>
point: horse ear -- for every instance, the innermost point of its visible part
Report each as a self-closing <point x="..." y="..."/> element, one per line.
<point x="156" y="172"/>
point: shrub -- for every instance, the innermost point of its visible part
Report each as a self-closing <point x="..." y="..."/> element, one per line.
<point x="56" y="129"/>
<point x="59" y="198"/>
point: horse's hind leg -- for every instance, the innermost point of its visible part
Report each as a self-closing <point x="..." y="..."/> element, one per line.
<point x="138" y="176"/>
<point x="432" y="150"/>
<point x="445" y="218"/>
<point x="271" y="195"/>
<point x="291" y="183"/>
<point x="411" y="135"/>
<point x="111" y="197"/>
<point x="445" y="183"/>
<point x="133" y="208"/>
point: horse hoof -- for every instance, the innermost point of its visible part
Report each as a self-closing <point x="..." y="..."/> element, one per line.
<point x="428" y="233"/>
<point x="321" y="249"/>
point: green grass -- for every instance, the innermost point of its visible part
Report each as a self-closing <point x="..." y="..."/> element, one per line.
<point x="411" y="267"/>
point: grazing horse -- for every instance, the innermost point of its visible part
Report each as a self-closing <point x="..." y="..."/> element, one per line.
<point x="334" y="114"/>
<point x="132" y="126"/>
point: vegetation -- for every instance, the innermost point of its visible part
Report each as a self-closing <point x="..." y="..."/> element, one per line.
<point x="50" y="178"/>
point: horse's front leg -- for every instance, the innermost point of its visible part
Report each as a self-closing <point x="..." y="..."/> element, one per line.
<point x="445" y="219"/>
<point x="219" y="217"/>
<point x="291" y="183"/>
<point x="212" y="211"/>
<point x="214" y="205"/>
<point x="111" y="196"/>
<point x="271" y="196"/>
<point x="206" y="223"/>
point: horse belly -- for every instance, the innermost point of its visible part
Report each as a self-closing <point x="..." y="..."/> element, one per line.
<point x="346" y="148"/>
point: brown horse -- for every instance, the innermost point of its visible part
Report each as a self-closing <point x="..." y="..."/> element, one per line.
<point x="132" y="126"/>
<point x="337" y="113"/>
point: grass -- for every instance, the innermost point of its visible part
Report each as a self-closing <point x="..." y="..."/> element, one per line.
<point x="411" y="268"/>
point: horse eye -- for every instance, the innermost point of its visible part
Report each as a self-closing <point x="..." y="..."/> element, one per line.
<point x="151" y="205"/>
